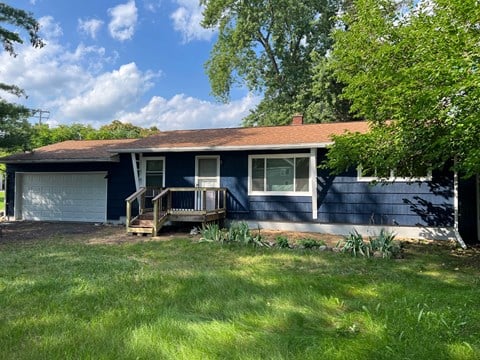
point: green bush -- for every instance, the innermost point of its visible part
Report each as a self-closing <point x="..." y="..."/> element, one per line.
<point x="213" y="233"/>
<point x="384" y="244"/>
<point x="282" y="242"/>
<point x="353" y="244"/>
<point x="239" y="232"/>
<point x="309" y="243"/>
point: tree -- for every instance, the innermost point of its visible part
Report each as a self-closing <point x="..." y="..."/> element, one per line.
<point x="413" y="69"/>
<point x="14" y="127"/>
<point x="270" y="47"/>
<point x="119" y="130"/>
<point x="42" y="134"/>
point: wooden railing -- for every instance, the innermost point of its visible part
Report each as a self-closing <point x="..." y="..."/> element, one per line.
<point x="198" y="204"/>
<point x="138" y="196"/>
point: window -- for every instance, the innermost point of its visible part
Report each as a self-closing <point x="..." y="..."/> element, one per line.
<point x="390" y="176"/>
<point x="154" y="172"/>
<point x="279" y="174"/>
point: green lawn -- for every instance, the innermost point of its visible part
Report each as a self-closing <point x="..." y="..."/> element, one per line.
<point x="63" y="299"/>
<point x="2" y="200"/>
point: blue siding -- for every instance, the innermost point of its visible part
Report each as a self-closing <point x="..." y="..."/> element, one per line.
<point x="343" y="199"/>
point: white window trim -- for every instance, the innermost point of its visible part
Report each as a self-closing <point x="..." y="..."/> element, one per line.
<point x="278" y="193"/>
<point x="391" y="178"/>
<point x="143" y="168"/>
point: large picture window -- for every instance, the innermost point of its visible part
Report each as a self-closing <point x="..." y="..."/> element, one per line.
<point x="279" y="174"/>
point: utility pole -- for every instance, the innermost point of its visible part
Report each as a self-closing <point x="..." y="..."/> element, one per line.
<point x="40" y="115"/>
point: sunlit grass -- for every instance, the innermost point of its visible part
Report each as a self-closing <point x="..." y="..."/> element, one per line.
<point x="184" y="300"/>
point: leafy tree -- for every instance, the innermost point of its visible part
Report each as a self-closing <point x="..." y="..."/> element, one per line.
<point x="412" y="69"/>
<point x="14" y="127"/>
<point x="271" y="47"/>
<point x="44" y="135"/>
<point x="119" y="130"/>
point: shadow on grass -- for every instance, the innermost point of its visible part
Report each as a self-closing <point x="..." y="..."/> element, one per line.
<point x="182" y="300"/>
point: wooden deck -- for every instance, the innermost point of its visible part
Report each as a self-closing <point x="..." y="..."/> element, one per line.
<point x="199" y="205"/>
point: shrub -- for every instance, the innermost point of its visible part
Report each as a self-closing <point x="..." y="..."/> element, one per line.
<point x="384" y="244"/>
<point x="309" y="243"/>
<point x="282" y="242"/>
<point x="212" y="233"/>
<point x="239" y="232"/>
<point x="353" y="244"/>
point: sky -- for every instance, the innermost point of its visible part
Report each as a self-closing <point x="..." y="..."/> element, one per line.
<point x="137" y="61"/>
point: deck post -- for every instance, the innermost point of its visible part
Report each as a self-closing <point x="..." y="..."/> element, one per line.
<point x="129" y="214"/>
<point x="155" y="218"/>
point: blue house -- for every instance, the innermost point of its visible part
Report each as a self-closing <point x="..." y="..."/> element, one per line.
<point x="267" y="176"/>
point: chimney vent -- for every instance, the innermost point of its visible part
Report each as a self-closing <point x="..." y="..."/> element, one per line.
<point x="297" y="119"/>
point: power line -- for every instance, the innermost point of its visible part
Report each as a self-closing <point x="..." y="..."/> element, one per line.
<point x="40" y="114"/>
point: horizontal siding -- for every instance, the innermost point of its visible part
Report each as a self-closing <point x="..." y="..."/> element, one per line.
<point x="343" y="199"/>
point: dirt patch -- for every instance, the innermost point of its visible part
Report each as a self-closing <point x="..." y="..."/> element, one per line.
<point x="293" y="237"/>
<point x="24" y="231"/>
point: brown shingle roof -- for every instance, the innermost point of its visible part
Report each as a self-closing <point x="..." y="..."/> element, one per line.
<point x="71" y="151"/>
<point x="231" y="138"/>
<point x="273" y="137"/>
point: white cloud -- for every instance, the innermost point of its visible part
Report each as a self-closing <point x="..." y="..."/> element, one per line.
<point x="106" y="95"/>
<point x="91" y="27"/>
<point x="123" y="21"/>
<point x="73" y="84"/>
<point x="152" y="5"/>
<point x="49" y="29"/>
<point x="184" y="112"/>
<point x="187" y="19"/>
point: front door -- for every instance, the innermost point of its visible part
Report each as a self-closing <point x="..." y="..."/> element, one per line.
<point x="153" y="177"/>
<point x="207" y="175"/>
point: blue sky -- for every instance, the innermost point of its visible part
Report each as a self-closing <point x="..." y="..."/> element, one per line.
<point x="139" y="61"/>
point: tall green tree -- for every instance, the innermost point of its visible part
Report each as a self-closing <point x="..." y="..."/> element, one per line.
<point x="14" y="127"/>
<point x="413" y="69"/>
<point x="271" y="47"/>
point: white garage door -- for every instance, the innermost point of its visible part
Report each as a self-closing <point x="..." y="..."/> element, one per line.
<point x="64" y="196"/>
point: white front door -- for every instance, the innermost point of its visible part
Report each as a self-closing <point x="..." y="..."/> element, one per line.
<point x="152" y="176"/>
<point x="207" y="175"/>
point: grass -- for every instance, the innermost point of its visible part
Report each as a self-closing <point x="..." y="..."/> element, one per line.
<point x="2" y="200"/>
<point x="64" y="299"/>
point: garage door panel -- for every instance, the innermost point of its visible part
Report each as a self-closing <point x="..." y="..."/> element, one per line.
<point x="64" y="197"/>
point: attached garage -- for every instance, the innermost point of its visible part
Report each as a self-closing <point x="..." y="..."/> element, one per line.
<point x="58" y="196"/>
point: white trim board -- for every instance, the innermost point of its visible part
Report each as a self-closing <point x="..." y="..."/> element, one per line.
<point x="413" y="232"/>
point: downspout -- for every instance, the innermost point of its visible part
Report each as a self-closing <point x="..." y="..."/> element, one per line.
<point x="458" y="237"/>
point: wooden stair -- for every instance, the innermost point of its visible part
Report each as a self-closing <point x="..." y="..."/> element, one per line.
<point x="143" y="224"/>
<point x="193" y="208"/>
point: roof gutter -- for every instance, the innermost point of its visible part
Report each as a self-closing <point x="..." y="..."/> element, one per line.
<point x="224" y="148"/>
<point x="44" y="161"/>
